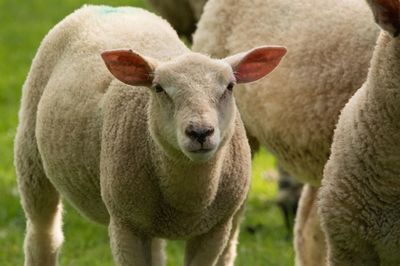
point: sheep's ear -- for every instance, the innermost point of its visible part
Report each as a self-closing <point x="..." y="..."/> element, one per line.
<point x="129" y="67"/>
<point x="255" y="64"/>
<point x="387" y="15"/>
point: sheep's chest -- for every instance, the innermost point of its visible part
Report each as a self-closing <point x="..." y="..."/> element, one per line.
<point x="149" y="212"/>
<point x="173" y="224"/>
<point x="165" y="221"/>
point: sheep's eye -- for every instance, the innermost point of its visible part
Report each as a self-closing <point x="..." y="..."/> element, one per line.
<point x="230" y="86"/>
<point x="158" y="88"/>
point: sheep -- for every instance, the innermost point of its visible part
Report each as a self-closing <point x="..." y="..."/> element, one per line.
<point x="293" y="112"/>
<point x="148" y="142"/>
<point x="359" y="198"/>
<point x="182" y="14"/>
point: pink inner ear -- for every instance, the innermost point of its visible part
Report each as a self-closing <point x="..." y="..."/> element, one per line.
<point x="128" y="67"/>
<point x="258" y="63"/>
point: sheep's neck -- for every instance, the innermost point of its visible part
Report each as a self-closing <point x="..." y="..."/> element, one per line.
<point x="189" y="186"/>
<point x="384" y="78"/>
<point x="381" y="110"/>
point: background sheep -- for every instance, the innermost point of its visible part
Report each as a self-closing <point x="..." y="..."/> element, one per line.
<point x="359" y="199"/>
<point x="294" y="110"/>
<point x="82" y="135"/>
<point x="182" y="14"/>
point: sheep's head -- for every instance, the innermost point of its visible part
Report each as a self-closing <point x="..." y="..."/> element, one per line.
<point x="192" y="109"/>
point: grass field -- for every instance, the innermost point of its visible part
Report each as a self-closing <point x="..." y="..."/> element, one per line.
<point x="23" y="23"/>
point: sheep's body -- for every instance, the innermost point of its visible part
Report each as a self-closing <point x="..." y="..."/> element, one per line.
<point x="84" y="136"/>
<point x="360" y="196"/>
<point x="294" y="110"/>
<point x="182" y="14"/>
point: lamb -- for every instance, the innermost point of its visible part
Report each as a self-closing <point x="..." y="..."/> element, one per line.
<point x="165" y="159"/>
<point x="182" y="14"/>
<point x="360" y="194"/>
<point x="294" y="110"/>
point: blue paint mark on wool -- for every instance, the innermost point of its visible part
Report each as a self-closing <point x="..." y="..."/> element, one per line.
<point x="105" y="10"/>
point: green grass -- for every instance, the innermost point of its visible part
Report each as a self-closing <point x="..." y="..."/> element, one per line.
<point x="23" y="24"/>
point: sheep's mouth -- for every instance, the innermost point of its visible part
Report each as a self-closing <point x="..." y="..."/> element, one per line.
<point x="200" y="155"/>
<point x="202" y="150"/>
<point x="197" y="152"/>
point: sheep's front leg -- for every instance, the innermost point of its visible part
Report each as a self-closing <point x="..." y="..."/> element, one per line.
<point x="157" y="252"/>
<point x="131" y="249"/>
<point x="228" y="256"/>
<point x="204" y="250"/>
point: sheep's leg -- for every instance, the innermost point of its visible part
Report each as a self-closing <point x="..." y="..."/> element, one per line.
<point x="227" y="258"/>
<point x="44" y="239"/>
<point x="41" y="203"/>
<point x="204" y="250"/>
<point x="157" y="252"/>
<point x="309" y="242"/>
<point x="129" y="248"/>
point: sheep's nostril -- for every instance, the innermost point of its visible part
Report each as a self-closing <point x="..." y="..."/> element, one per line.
<point x="209" y="131"/>
<point x="199" y="134"/>
<point x="191" y="133"/>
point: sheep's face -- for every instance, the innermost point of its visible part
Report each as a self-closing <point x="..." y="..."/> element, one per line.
<point x="192" y="109"/>
<point x="192" y="106"/>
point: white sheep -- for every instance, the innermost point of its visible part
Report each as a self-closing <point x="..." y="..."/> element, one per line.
<point x="182" y="14"/>
<point x="166" y="159"/>
<point x="294" y="110"/>
<point x="360" y="194"/>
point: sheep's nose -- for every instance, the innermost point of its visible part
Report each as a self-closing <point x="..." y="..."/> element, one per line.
<point x="199" y="133"/>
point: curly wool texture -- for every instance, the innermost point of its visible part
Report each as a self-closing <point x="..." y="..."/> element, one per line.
<point x="85" y="136"/>
<point x="359" y="198"/>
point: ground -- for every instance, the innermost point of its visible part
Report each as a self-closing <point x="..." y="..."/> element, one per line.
<point x="23" y="23"/>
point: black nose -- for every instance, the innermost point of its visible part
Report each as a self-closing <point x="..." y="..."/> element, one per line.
<point x="199" y="133"/>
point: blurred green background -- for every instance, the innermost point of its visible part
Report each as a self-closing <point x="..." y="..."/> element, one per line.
<point x="23" y="24"/>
